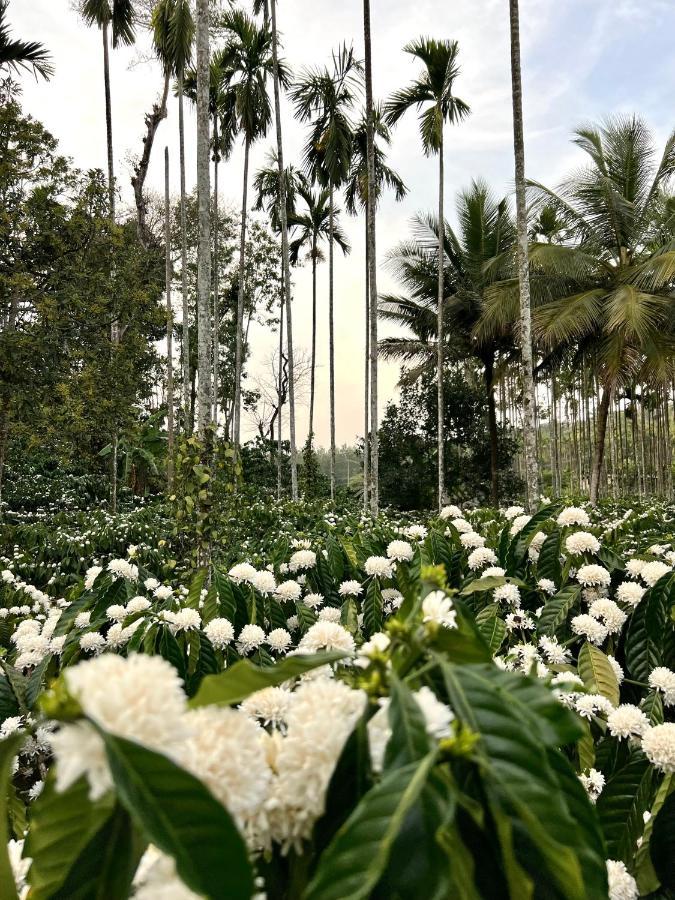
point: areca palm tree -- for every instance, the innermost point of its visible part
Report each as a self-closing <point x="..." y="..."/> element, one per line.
<point x="16" y="54"/>
<point x="609" y="300"/>
<point x="474" y="256"/>
<point x="246" y="64"/>
<point x="204" y="236"/>
<point x="311" y="226"/>
<point x="356" y="197"/>
<point x="174" y="30"/>
<point x="433" y="92"/>
<point x="325" y="98"/>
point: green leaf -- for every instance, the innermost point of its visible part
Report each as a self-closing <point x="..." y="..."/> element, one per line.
<point x="8" y="750"/>
<point x="355" y="859"/>
<point x="372" y="608"/>
<point x="9" y="705"/>
<point x="62" y="824"/>
<point x="409" y="741"/>
<point x="244" y="678"/>
<point x="556" y="611"/>
<point x="548" y="564"/>
<point x="210" y="609"/>
<point x="491" y="627"/>
<point x="306" y="616"/>
<point x="480" y="585"/>
<point x="662" y="844"/>
<point x="195" y="592"/>
<point x="349" y="612"/>
<point x="627" y="794"/>
<point x="644" y="638"/>
<point x="645" y="875"/>
<point x="182" y="818"/>
<point x="226" y="597"/>
<point x="597" y="673"/>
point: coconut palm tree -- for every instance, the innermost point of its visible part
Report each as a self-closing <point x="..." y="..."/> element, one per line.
<point x="311" y="226"/>
<point x="246" y="64"/>
<point x="474" y="257"/>
<point x="174" y="30"/>
<point x="356" y="197"/>
<point x="432" y="92"/>
<point x="17" y="54"/>
<point x="326" y="97"/>
<point x="526" y="364"/>
<point x="606" y="296"/>
<point x="204" y="237"/>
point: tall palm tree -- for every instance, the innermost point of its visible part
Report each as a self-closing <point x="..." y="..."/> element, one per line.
<point x="526" y="364"/>
<point x="17" y="54"/>
<point x="204" y="236"/>
<point x="326" y="97"/>
<point x="356" y="197"/>
<point x="174" y="29"/>
<point x="169" y="323"/>
<point x="246" y="64"/>
<point x="311" y="226"/>
<point x="433" y="91"/>
<point x="475" y="256"/>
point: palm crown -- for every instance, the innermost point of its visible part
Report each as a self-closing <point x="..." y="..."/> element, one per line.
<point x="356" y="193"/>
<point x="173" y="31"/>
<point x="118" y="14"/>
<point x="313" y="225"/>
<point x="18" y="54"/>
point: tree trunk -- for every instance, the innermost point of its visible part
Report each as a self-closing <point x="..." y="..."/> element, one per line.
<point x="4" y="433"/>
<point x="280" y="393"/>
<point x="366" y="391"/>
<point x="331" y="345"/>
<point x="169" y="323"/>
<point x="527" y="376"/>
<point x="216" y="305"/>
<point x="372" y="261"/>
<point x="312" y="374"/>
<point x="284" y="253"/>
<point x="603" y="410"/>
<point x="152" y="122"/>
<point x="492" y="428"/>
<point x="184" y="265"/>
<point x="439" y="328"/>
<point x="239" y="351"/>
<point x="204" y="204"/>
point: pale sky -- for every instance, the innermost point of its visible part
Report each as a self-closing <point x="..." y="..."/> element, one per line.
<point x="582" y="60"/>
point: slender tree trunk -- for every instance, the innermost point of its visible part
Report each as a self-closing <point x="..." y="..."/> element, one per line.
<point x="371" y="204"/>
<point x="4" y="434"/>
<point x="169" y="323"/>
<point x="331" y="344"/>
<point x="285" y="254"/>
<point x="312" y="374"/>
<point x="204" y="204"/>
<point x="603" y="410"/>
<point x="216" y="304"/>
<point x="527" y="377"/>
<point x="366" y="391"/>
<point x="492" y="428"/>
<point x="241" y="292"/>
<point x="152" y="122"/>
<point x="187" y="424"/>
<point x="280" y="392"/>
<point x="439" y="328"/>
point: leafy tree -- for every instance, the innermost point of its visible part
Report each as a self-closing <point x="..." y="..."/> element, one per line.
<point x="16" y="54"/>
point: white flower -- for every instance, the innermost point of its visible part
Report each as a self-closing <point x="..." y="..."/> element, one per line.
<point x="589" y="627"/>
<point x="555" y="653"/>
<point x="20" y="865"/>
<point x="618" y="671"/>
<point x="163" y="592"/>
<point x="587" y="705"/>
<point x="415" y="532"/>
<point x="630" y="593"/>
<point x="263" y="581"/>
<point x="582" y="542"/>
<point x="122" y="568"/>
<point x="91" y="575"/>
<point x="186" y="619"/>
<point x="622" y="885"/>
<point x="329" y="614"/>
<point x="350" y="589"/>
<point x="137" y="604"/>
<point x="592" y="575"/>
<point x="513" y="511"/>
<point x="116" y="612"/>
<point x="481" y="556"/>
<point x="437" y="608"/>
<point x="250" y="638"/>
<point x="400" y="551"/>
<point x="658" y="745"/>
<point x="378" y="643"/>
<point x="635" y="566"/>
<point x="611" y="615"/>
<point x="220" y="632"/>
<point x="663" y="679"/>
<point x="269" y="706"/>
<point x="471" y="539"/>
<point x="288" y="590"/>
<point x="462" y="526"/>
<point x="379" y="566"/>
<point x="150" y="584"/>
<point x="573" y="515"/>
<point x="8" y="576"/>
<point x="302" y="559"/>
<point x="11" y="725"/>
<point x="652" y="571"/>
<point x="627" y="721"/>
<point x="437" y="715"/>
<point x="518" y="524"/>
<point x="324" y="635"/>
<point x="279" y="640"/>
<point x="546" y="585"/>
<point x="493" y="572"/>
<point x="507" y="593"/>
<point x="242" y="572"/>
<point x="156" y="877"/>
<point x="313" y="600"/>
<point x="519" y="619"/>
<point x="450" y="512"/>
<point x="92" y="642"/>
<point x="82" y="619"/>
<point x="594" y="782"/>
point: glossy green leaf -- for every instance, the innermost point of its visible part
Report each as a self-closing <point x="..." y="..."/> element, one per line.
<point x="627" y="794"/>
<point x="8" y="750"/>
<point x="409" y="741"/>
<point x="597" y="674"/>
<point x="556" y="610"/>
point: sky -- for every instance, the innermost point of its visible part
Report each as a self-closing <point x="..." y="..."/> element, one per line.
<point x="582" y="61"/>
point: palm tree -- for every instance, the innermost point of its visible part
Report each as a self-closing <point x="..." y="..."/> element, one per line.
<point x="174" y="35"/>
<point x="204" y="239"/>
<point x="246" y="64"/>
<point x="326" y="98"/>
<point x="478" y="253"/>
<point x="356" y="197"/>
<point x="312" y="226"/>
<point x="169" y="321"/>
<point x="17" y="54"/>
<point x="526" y="365"/>
<point x="434" y="91"/>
